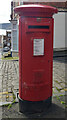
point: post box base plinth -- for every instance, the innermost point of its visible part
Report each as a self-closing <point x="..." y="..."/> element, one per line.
<point x="34" y="106"/>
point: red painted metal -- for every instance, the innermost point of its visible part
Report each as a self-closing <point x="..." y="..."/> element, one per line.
<point x="36" y="10"/>
<point x="35" y="72"/>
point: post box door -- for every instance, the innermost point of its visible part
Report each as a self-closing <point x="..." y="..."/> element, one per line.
<point x="37" y="48"/>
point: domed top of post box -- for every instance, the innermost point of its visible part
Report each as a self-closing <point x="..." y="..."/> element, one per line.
<point x="35" y="10"/>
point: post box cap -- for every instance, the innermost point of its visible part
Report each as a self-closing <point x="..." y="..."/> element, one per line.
<point x="35" y="10"/>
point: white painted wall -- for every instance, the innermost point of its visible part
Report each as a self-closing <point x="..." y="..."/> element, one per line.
<point x="59" y="29"/>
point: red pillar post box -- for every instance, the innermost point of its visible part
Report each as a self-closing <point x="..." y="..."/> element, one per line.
<point x="35" y="56"/>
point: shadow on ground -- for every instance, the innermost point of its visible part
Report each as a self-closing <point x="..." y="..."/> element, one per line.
<point x="56" y="110"/>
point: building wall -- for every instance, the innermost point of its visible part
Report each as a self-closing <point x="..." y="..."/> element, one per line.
<point x="53" y="3"/>
<point x="66" y="30"/>
<point x="59" y="30"/>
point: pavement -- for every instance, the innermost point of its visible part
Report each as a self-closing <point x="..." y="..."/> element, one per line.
<point x="9" y="88"/>
<point x="0" y="53"/>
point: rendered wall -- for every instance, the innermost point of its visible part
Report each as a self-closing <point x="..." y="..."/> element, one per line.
<point x="59" y="29"/>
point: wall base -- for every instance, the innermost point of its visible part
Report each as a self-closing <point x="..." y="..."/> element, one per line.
<point x="34" y="106"/>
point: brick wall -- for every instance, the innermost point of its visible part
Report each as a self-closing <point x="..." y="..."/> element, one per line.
<point x="54" y="4"/>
